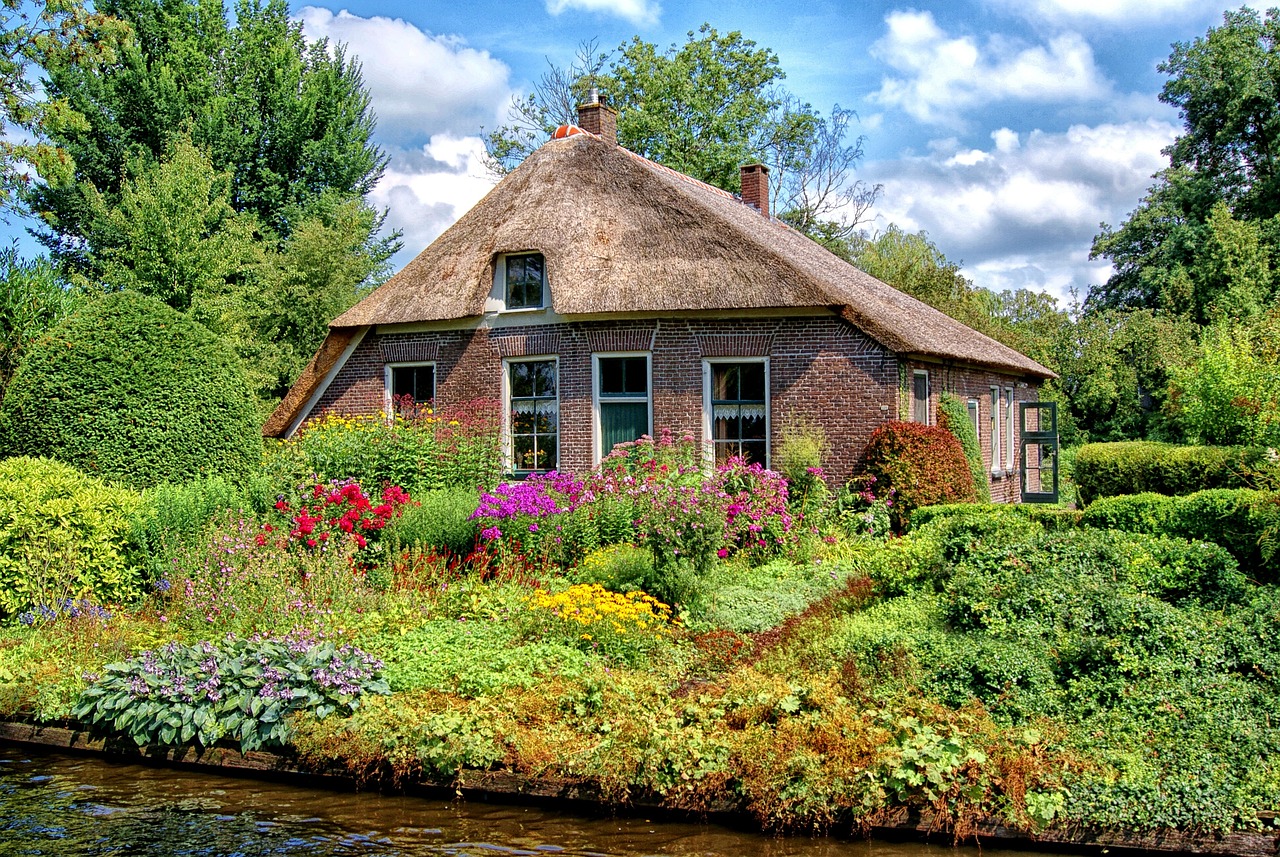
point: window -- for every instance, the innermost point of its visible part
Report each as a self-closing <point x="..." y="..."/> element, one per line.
<point x="975" y="419"/>
<point x="534" y="415"/>
<point x="1011" y="459"/>
<point x="738" y="410"/>
<point x="622" y="399"/>
<point x="409" y="385"/>
<point x="525" y="277"/>
<point x="920" y="397"/>
<point x="995" y="430"/>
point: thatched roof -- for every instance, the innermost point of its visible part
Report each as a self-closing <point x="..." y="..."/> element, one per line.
<point x="623" y="234"/>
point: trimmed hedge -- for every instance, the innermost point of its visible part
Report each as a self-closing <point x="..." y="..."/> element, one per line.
<point x="1050" y="518"/>
<point x="130" y="390"/>
<point x="953" y="415"/>
<point x="1245" y="522"/>
<point x="921" y="464"/>
<point x="1136" y="467"/>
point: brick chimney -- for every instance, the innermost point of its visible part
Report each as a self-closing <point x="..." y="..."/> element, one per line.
<point x="755" y="187"/>
<point x="595" y="117"/>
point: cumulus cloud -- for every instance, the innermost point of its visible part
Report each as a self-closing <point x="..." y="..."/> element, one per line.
<point x="939" y="76"/>
<point x="636" y="11"/>
<point x="420" y="84"/>
<point x="1024" y="211"/>
<point x="425" y="190"/>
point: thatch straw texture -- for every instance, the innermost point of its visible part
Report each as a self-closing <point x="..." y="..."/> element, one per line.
<point x="308" y="381"/>
<point x="623" y="234"/>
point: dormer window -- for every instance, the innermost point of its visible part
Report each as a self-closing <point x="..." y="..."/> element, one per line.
<point x="525" y="280"/>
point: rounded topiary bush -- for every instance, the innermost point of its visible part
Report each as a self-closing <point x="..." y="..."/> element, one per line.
<point x="922" y="465"/>
<point x="128" y="389"/>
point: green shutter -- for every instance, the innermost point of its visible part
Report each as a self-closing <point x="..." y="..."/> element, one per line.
<point x="621" y="422"/>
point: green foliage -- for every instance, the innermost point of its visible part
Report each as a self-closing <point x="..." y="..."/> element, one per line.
<point x="32" y="299"/>
<point x="618" y="567"/>
<point x="1230" y="394"/>
<point x="1147" y="512"/>
<point x="127" y="389"/>
<point x="241" y="690"/>
<point x="749" y="600"/>
<point x="475" y="659"/>
<point x="439" y="520"/>
<point x="62" y="536"/>
<point x="953" y="415"/>
<point x="1110" y="469"/>
<point x="922" y="465"/>
<point x="174" y="521"/>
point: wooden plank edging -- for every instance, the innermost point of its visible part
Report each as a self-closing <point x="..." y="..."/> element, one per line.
<point x="904" y="824"/>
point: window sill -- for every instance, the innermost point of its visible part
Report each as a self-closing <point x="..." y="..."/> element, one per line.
<point x="505" y="311"/>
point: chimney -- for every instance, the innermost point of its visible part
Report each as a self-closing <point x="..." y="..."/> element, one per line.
<point x="595" y="117"/>
<point x="755" y="187"/>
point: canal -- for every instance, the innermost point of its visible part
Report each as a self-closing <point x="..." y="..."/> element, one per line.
<point x="70" y="805"/>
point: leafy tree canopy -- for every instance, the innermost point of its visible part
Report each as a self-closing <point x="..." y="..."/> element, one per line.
<point x="1205" y="241"/>
<point x="705" y="108"/>
<point x="32" y="298"/>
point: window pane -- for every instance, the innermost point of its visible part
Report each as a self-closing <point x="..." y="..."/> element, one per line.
<point x="754" y="451"/>
<point x="752" y="426"/>
<point x="752" y="375"/>
<point x="725" y="381"/>
<point x="524" y="281"/>
<point x="534" y="415"/>
<point x="637" y="376"/>
<point x="521" y="379"/>
<point x="726" y="424"/>
<point x="523" y="452"/>
<point x="622" y="422"/>
<point x="416" y="382"/>
<point x="544" y="377"/>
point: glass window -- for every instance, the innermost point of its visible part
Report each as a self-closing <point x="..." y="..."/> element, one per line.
<point x="995" y="429"/>
<point x="974" y="418"/>
<point x="534" y="416"/>
<point x="738" y="411"/>
<point x="525" y="277"/>
<point x="920" y="397"/>
<point x="622" y="387"/>
<point x="1011" y="459"/>
<point x="412" y="386"/>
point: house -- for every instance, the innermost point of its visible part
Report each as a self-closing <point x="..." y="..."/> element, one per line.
<point x="602" y="296"/>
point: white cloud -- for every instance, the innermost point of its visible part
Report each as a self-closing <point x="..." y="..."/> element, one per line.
<point x="427" y="189"/>
<point x="1025" y="212"/>
<point x="1113" y="11"/>
<point x="940" y="76"/>
<point x="420" y="84"/>
<point x="636" y="11"/>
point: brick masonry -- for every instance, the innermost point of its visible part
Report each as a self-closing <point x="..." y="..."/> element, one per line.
<point x="821" y="369"/>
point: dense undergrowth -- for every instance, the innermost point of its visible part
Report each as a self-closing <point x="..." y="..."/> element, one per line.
<point x="705" y="638"/>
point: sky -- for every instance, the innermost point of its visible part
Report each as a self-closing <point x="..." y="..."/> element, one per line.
<point x="1007" y="130"/>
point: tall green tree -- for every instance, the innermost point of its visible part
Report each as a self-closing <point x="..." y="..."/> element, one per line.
<point x="288" y="121"/>
<point x="1179" y="251"/>
<point x="33" y="298"/>
<point x="705" y="108"/>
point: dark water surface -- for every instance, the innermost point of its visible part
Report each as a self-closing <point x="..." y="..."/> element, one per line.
<point x="55" y="804"/>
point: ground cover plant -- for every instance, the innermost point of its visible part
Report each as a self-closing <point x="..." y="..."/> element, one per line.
<point x="700" y="636"/>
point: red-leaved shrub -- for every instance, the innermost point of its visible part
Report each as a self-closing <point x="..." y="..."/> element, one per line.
<point x="923" y="465"/>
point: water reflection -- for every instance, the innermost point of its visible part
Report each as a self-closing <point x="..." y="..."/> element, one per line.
<point x="52" y="804"/>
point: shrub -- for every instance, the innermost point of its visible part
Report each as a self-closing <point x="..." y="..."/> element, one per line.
<point x="241" y="690"/>
<point x="953" y="415"/>
<point x="440" y="520"/>
<point x="619" y="567"/>
<point x="922" y="464"/>
<point x="1136" y="513"/>
<point x="420" y="448"/>
<point x="128" y="389"/>
<point x="802" y="446"/>
<point x="63" y="535"/>
<point x="174" y="519"/>
<point x="1135" y="467"/>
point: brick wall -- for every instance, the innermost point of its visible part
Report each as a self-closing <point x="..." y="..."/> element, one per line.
<point x="820" y="369"/>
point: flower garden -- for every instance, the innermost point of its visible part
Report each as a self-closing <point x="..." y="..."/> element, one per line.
<point x="376" y="596"/>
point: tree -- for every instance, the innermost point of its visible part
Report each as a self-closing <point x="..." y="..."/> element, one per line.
<point x="34" y="35"/>
<point x="1169" y="254"/>
<point x="1230" y="394"/>
<point x="705" y="108"/>
<point x="33" y="298"/>
<point x="287" y="121"/>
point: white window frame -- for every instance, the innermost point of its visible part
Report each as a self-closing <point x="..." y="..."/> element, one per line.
<point x="996" y="401"/>
<point x="974" y="410"/>
<point x="388" y="406"/>
<point x="597" y="433"/>
<point x="1012" y="456"/>
<point x="508" y="436"/>
<point x="916" y="373"/>
<point x="708" y="438"/>
<point x="500" y="282"/>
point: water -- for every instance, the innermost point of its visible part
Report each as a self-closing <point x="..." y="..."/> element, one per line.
<point x="69" y="806"/>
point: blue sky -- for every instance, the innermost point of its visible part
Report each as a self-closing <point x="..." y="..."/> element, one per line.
<point x="1006" y="129"/>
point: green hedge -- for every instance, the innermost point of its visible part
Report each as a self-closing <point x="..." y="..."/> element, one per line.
<point x="1050" y="518"/>
<point x="1135" y="467"/>
<point x="1245" y="522"/>
<point x="129" y="390"/>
